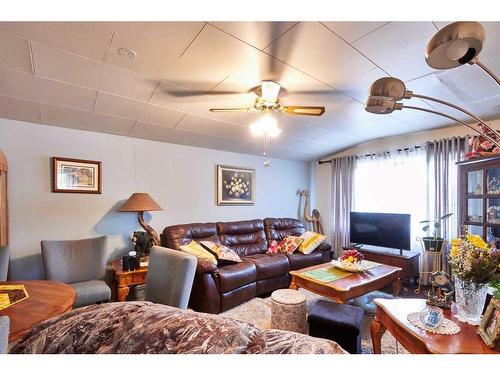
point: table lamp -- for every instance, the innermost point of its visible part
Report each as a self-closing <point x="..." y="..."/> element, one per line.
<point x="140" y="202"/>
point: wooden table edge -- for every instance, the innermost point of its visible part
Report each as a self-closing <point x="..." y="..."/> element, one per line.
<point x="18" y="335"/>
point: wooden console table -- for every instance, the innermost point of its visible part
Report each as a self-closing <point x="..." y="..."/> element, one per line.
<point x="125" y="279"/>
<point x="391" y="315"/>
<point x="407" y="261"/>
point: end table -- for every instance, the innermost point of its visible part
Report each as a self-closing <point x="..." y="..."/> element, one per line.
<point x="125" y="279"/>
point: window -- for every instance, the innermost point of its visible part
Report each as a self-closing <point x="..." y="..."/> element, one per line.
<point x="393" y="183"/>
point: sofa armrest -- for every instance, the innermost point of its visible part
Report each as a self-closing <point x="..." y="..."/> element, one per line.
<point x="324" y="246"/>
<point x="204" y="266"/>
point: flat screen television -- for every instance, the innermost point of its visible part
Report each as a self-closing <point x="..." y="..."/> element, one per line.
<point x="379" y="229"/>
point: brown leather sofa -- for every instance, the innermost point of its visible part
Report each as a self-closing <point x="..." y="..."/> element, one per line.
<point x="217" y="289"/>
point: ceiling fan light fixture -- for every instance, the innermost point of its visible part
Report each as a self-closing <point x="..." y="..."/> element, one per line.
<point x="454" y="45"/>
<point x="266" y="126"/>
<point x="270" y="91"/>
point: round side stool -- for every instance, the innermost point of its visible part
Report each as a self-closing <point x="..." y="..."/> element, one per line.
<point x="288" y="310"/>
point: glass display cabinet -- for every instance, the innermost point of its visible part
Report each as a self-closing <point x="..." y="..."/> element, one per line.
<point x="479" y="197"/>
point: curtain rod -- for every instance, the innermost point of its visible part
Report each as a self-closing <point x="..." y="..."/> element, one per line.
<point x="387" y="152"/>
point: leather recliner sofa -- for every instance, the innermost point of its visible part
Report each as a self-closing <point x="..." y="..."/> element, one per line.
<point x="216" y="289"/>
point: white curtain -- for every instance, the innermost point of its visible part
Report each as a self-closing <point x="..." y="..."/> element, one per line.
<point x="342" y="176"/>
<point x="393" y="182"/>
<point x="442" y="155"/>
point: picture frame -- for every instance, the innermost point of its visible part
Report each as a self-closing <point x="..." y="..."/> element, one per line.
<point x="76" y="176"/>
<point x="235" y="186"/>
<point x="489" y="328"/>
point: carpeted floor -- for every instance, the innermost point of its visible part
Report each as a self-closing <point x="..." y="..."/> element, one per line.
<point x="258" y="312"/>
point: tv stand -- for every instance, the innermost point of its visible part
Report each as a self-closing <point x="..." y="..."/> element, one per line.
<point x="407" y="260"/>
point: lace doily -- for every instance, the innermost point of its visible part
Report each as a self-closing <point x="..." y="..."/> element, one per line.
<point x="447" y="327"/>
<point x="463" y="320"/>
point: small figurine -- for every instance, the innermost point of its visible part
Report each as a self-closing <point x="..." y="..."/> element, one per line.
<point x="142" y="243"/>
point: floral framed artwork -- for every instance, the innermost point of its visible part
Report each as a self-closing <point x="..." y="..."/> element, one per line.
<point x="235" y="186"/>
<point x="76" y="176"/>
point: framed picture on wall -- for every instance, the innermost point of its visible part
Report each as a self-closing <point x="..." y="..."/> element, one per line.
<point x="235" y="186"/>
<point x="76" y="176"/>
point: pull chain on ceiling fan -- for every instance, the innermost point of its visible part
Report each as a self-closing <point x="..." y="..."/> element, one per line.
<point x="268" y="102"/>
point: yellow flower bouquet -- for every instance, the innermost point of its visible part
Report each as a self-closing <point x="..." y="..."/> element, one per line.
<point x="473" y="260"/>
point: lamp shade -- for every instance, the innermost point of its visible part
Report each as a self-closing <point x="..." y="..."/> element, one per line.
<point x="454" y="45"/>
<point x="389" y="88"/>
<point x="140" y="202"/>
<point x="380" y="105"/>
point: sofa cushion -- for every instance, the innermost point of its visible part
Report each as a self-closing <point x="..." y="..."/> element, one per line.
<point x="90" y="292"/>
<point x="176" y="235"/>
<point x="311" y="241"/>
<point x="236" y="275"/>
<point x="244" y="237"/>
<point x="269" y="265"/>
<point x="280" y="228"/>
<point x="289" y="244"/>
<point x="298" y="260"/>
<point x="223" y="254"/>
<point x="195" y="249"/>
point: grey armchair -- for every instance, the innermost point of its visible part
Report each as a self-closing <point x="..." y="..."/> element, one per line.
<point x="80" y="263"/>
<point x="4" y="262"/>
<point x="170" y="277"/>
<point x="4" y="334"/>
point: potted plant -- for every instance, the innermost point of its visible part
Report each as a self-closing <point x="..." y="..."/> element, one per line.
<point x="434" y="242"/>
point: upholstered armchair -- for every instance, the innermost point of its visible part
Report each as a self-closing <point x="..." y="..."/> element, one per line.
<point x="4" y="334"/>
<point x="170" y="277"/>
<point x="4" y="262"/>
<point x="81" y="264"/>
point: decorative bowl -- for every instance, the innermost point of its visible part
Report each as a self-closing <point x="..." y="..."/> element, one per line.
<point x="344" y="265"/>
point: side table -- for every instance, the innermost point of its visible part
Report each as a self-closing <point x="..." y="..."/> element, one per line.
<point x="391" y="316"/>
<point x="125" y="279"/>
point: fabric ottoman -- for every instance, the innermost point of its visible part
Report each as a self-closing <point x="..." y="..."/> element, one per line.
<point x="337" y="322"/>
<point x="288" y="310"/>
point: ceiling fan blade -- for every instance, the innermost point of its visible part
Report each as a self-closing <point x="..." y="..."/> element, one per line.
<point x="235" y="109"/>
<point x="304" y="110"/>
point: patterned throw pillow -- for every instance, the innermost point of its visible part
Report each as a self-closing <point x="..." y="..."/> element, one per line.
<point x="289" y="244"/>
<point x="194" y="248"/>
<point x="311" y="240"/>
<point x="223" y="254"/>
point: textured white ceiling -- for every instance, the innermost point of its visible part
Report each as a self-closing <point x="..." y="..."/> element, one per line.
<point x="70" y="74"/>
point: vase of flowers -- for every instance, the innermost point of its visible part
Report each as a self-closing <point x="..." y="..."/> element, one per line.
<point x="474" y="264"/>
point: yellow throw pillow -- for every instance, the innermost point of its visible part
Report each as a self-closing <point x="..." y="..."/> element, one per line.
<point x="311" y="240"/>
<point x="194" y="248"/>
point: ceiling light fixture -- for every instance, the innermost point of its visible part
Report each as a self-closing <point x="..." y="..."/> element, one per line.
<point x="457" y="44"/>
<point x="127" y="52"/>
<point x="266" y="126"/>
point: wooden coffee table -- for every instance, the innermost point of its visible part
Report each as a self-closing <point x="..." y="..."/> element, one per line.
<point x="351" y="286"/>
<point x="47" y="299"/>
<point x="391" y="315"/>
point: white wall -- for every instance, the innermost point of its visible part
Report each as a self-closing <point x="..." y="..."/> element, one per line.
<point x="323" y="171"/>
<point x="180" y="178"/>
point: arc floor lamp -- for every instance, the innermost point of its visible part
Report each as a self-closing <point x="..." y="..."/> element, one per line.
<point x="456" y="44"/>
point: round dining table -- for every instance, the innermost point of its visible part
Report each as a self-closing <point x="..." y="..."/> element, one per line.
<point x="46" y="300"/>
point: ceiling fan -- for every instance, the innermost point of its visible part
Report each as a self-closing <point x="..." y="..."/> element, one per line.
<point x="268" y="101"/>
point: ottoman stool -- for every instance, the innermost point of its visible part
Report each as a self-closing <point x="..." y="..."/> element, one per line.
<point x="288" y="310"/>
<point x="337" y="322"/>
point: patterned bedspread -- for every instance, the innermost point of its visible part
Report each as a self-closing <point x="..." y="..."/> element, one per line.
<point x="144" y="327"/>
